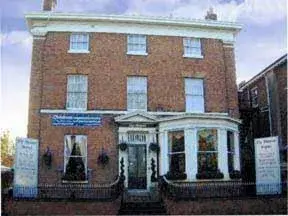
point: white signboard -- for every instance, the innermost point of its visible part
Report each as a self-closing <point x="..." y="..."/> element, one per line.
<point x="268" y="178"/>
<point x="26" y="168"/>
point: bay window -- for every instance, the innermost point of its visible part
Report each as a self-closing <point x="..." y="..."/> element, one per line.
<point x="176" y="151"/>
<point x="207" y="150"/>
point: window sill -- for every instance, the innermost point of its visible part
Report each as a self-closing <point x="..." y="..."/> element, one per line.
<point x="75" y="110"/>
<point x="74" y="182"/>
<point x="137" y="53"/>
<point x="78" y="51"/>
<point x="193" y="56"/>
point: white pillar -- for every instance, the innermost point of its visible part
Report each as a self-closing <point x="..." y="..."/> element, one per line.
<point x="191" y="153"/>
<point x="163" y="160"/>
<point x="236" y="158"/>
<point x="222" y="153"/>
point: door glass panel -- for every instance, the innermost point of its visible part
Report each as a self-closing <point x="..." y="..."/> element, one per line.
<point x="137" y="167"/>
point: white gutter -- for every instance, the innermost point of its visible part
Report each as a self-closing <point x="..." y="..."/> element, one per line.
<point x="133" y="19"/>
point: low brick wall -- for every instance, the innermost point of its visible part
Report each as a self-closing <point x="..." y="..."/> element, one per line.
<point x="263" y="205"/>
<point x="14" y="207"/>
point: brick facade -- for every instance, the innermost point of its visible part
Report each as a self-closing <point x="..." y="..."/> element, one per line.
<point x="108" y="66"/>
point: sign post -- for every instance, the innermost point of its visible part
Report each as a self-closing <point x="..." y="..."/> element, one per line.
<point x="26" y="168"/>
<point x="268" y="178"/>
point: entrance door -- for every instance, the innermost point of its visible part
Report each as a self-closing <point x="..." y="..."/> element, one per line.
<point x="137" y="167"/>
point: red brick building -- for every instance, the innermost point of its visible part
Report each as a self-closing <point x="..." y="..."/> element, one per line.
<point x="123" y="87"/>
<point x="263" y="108"/>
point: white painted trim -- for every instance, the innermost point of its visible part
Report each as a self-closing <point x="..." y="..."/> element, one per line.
<point x="41" y="23"/>
<point x="193" y="56"/>
<point x="119" y="112"/>
<point x="131" y="19"/>
<point x="78" y="51"/>
<point x="137" y="53"/>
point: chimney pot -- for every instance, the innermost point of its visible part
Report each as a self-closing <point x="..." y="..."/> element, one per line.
<point x="49" y="5"/>
<point x="211" y="15"/>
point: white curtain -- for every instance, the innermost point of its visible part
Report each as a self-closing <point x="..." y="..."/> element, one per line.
<point x="82" y="141"/>
<point x="77" y="86"/>
<point x="68" y="150"/>
<point x="194" y="95"/>
<point x="137" y="93"/>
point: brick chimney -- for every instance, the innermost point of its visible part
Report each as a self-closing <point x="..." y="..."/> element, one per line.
<point x="49" y="5"/>
<point x="211" y="15"/>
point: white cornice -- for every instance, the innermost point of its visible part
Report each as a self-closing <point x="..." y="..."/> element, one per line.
<point x="63" y="22"/>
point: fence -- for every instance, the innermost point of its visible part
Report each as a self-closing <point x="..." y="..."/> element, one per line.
<point x="73" y="191"/>
<point x="194" y="190"/>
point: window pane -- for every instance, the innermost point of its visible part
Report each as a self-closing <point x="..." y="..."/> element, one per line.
<point x="77" y="91"/>
<point x="136" y="43"/>
<point x="176" y="141"/>
<point x="75" y="152"/>
<point x="230" y="149"/>
<point x="207" y="162"/>
<point x="137" y="93"/>
<point x="207" y="140"/>
<point x="192" y="46"/>
<point x="177" y="163"/>
<point x="79" y="41"/>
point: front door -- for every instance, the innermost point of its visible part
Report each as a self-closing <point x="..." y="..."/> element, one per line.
<point x="137" y="167"/>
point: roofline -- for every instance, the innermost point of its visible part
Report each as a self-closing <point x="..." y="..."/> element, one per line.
<point x="264" y="71"/>
<point x="60" y="16"/>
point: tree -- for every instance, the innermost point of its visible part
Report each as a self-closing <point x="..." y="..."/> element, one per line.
<point x="7" y="153"/>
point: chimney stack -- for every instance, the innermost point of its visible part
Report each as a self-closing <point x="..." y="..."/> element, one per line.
<point x="211" y="15"/>
<point x="49" y="5"/>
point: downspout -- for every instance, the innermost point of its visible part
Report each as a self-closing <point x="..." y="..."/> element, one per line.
<point x="268" y="102"/>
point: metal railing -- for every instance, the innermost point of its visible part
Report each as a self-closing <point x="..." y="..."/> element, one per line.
<point x="194" y="190"/>
<point x="73" y="191"/>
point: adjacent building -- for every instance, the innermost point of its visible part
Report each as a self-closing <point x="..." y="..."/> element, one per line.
<point x="136" y="96"/>
<point x="263" y="109"/>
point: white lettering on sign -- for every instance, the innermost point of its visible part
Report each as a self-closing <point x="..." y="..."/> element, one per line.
<point x="267" y="165"/>
<point x="26" y="168"/>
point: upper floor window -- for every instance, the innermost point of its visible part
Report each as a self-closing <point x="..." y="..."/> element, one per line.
<point x="194" y="95"/>
<point x="136" y="45"/>
<point x="79" y="42"/>
<point x="75" y="158"/>
<point x="176" y="143"/>
<point x="77" y="86"/>
<point x="137" y="93"/>
<point x="192" y="47"/>
<point x="254" y="97"/>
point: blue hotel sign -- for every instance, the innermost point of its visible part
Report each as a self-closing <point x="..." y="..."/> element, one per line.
<point x="76" y="120"/>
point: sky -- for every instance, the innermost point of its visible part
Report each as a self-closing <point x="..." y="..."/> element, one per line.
<point x="261" y="41"/>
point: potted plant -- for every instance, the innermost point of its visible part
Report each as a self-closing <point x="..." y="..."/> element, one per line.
<point x="235" y="174"/>
<point x="154" y="147"/>
<point x="210" y="175"/>
<point x="47" y="158"/>
<point x="123" y="146"/>
<point x="176" y="175"/>
<point x="103" y="158"/>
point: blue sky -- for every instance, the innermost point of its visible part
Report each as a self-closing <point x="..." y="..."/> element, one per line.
<point x="261" y="41"/>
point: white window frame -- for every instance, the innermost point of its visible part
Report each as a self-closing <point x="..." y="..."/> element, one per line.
<point x="132" y="93"/>
<point x="192" y="48"/>
<point x="79" y="38"/>
<point x="208" y="152"/>
<point x="170" y="153"/>
<point x="254" y="97"/>
<point x="193" y="95"/>
<point x="232" y="150"/>
<point x="136" y="40"/>
<point x="69" y="151"/>
<point x="71" y="80"/>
